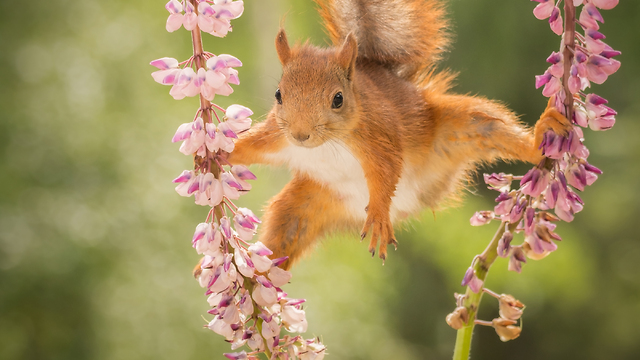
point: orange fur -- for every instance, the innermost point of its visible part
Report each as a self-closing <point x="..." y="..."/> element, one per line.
<point x="398" y="142"/>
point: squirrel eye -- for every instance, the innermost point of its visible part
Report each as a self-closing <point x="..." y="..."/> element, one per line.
<point x="278" y="97"/>
<point x="337" y="101"/>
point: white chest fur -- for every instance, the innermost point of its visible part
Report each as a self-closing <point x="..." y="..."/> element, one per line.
<point x="333" y="165"/>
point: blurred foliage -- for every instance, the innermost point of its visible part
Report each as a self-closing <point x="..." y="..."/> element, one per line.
<point x="95" y="257"/>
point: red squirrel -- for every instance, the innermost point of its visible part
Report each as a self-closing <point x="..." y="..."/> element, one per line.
<point x="371" y="130"/>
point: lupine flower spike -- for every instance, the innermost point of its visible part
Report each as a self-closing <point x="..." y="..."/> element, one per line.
<point x="533" y="204"/>
<point x="243" y="286"/>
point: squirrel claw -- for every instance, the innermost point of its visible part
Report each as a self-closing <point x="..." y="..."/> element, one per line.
<point x="381" y="235"/>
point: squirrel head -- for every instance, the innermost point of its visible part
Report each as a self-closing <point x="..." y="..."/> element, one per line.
<point x="316" y="101"/>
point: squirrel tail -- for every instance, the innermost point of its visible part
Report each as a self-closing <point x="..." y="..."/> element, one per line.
<point x="408" y="36"/>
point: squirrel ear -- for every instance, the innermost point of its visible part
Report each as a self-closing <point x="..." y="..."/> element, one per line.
<point x="282" y="47"/>
<point x="348" y="53"/>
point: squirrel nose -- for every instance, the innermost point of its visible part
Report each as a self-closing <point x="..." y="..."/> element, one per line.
<point x="302" y="137"/>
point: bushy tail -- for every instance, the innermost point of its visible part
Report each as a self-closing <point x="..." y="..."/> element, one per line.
<point x="405" y="35"/>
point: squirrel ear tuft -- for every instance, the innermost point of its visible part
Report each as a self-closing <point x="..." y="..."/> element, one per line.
<point x="282" y="47"/>
<point x="347" y="54"/>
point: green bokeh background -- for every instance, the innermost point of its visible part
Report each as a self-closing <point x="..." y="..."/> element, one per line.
<point x="95" y="254"/>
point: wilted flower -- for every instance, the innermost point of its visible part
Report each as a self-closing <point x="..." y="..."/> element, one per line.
<point x="504" y="244"/>
<point x="516" y="259"/>
<point x="510" y="307"/>
<point x="458" y="318"/>
<point x="506" y="329"/>
<point x="481" y="218"/>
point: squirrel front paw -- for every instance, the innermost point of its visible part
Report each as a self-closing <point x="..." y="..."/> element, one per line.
<point x="381" y="229"/>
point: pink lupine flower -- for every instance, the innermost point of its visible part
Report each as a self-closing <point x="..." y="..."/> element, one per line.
<point x="505" y="203"/>
<point x="209" y="192"/>
<point x="244" y="263"/>
<point x="552" y="87"/>
<point x="185" y="181"/>
<point x="575" y="83"/>
<point x="230" y="186"/>
<point x="259" y="255"/>
<point x="609" y="52"/>
<point x="190" y="19"/>
<point x="220" y="74"/>
<point x="517" y="210"/>
<point x="168" y="73"/>
<point x="576" y="176"/>
<point x="237" y="117"/>
<point x="590" y="16"/>
<point x="481" y="218"/>
<point x="568" y="204"/>
<point x="220" y="327"/>
<point x="215" y="79"/>
<point x="534" y="182"/>
<point x="470" y="279"/>
<point x="225" y="228"/>
<point x="174" y="21"/>
<point x="504" y="244"/>
<point x="245" y="223"/>
<point x="599" y="116"/>
<point x="599" y="68"/>
<point x="544" y="9"/>
<point x="264" y="294"/>
<point x="602" y="123"/>
<point x="184" y="84"/>
<point x="538" y="247"/>
<point x="605" y="4"/>
<point x="193" y="136"/>
<point x="553" y="145"/>
<point x="270" y="329"/>
<point x="242" y="173"/>
<point x="557" y="65"/>
<point x="500" y="182"/>
<point x="278" y="276"/>
<point x="223" y="276"/>
<point x="593" y="41"/>
<point x="552" y="193"/>
<point x="216" y="139"/>
<point x="293" y="319"/>
<point x="237" y="356"/>
<point x="555" y="21"/>
<point x="227" y="131"/>
<point x="222" y="12"/>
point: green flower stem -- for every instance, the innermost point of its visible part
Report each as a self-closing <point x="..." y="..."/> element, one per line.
<point x="472" y="300"/>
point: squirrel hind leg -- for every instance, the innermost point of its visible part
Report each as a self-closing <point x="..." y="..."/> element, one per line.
<point x="297" y="217"/>
<point x="551" y="119"/>
<point x="485" y="130"/>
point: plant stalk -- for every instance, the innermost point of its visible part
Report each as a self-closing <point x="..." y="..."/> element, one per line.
<point x="569" y="39"/>
<point x="472" y="300"/>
